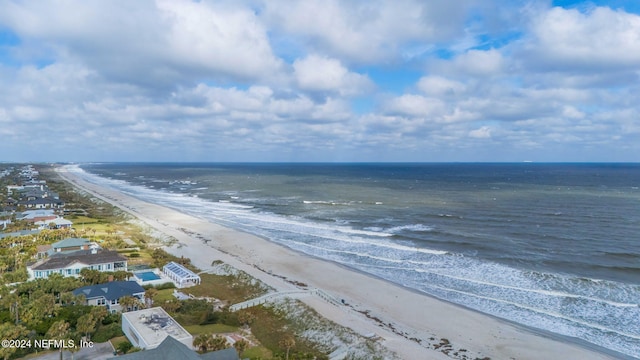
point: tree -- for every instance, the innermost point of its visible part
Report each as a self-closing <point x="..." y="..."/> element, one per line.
<point x="86" y="324"/>
<point x="246" y="317"/>
<point x="10" y="331"/>
<point x="202" y="342"/>
<point x="90" y="276"/>
<point x="59" y="330"/>
<point x="128" y="303"/>
<point x="149" y="294"/>
<point x="218" y="343"/>
<point x="241" y="346"/>
<point x="172" y="306"/>
<point x="287" y="342"/>
<point x="67" y="298"/>
<point x="121" y="275"/>
<point x="99" y="313"/>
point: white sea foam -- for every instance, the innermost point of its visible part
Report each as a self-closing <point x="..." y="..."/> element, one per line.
<point x="557" y="303"/>
<point x="412" y="227"/>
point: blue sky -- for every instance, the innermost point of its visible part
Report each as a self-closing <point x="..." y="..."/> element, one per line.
<point x="312" y="80"/>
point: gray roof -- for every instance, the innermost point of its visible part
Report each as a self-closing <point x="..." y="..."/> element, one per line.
<point x="70" y="242"/>
<point x="19" y="233"/>
<point x="111" y="291"/>
<point x="30" y="214"/>
<point x="170" y="349"/>
<point x="63" y="260"/>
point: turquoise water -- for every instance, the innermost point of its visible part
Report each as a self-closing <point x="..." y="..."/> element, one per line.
<point x="147" y="276"/>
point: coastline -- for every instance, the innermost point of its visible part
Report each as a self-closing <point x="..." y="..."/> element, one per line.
<point x="400" y="316"/>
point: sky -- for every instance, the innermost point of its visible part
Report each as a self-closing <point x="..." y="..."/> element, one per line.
<point x="320" y="80"/>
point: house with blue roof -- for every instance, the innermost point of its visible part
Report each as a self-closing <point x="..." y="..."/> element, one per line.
<point x="109" y="294"/>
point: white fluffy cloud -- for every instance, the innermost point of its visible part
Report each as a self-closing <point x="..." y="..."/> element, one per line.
<point x="367" y="31"/>
<point x="319" y="73"/>
<point x="570" y="40"/>
<point x="146" y="42"/>
<point x="281" y="80"/>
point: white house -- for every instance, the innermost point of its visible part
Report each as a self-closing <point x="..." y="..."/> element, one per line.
<point x="147" y="328"/>
<point x="70" y="264"/>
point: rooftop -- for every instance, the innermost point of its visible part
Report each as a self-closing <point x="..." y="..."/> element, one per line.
<point x="111" y="291"/>
<point x="171" y="349"/>
<point x="154" y="325"/>
<point x="62" y="260"/>
<point x="181" y="271"/>
<point x="70" y="242"/>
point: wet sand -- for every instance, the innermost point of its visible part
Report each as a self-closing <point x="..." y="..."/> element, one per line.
<point x="408" y="323"/>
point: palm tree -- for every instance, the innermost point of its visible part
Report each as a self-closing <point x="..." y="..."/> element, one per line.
<point x="128" y="302"/>
<point x="121" y="275"/>
<point x="59" y="330"/>
<point x="202" y="342"/>
<point x="99" y="313"/>
<point x="287" y="342"/>
<point x="13" y="332"/>
<point x="86" y="324"/>
<point x="241" y="346"/>
<point x="171" y="306"/>
<point x="218" y="343"/>
<point x="149" y="295"/>
<point x="66" y="298"/>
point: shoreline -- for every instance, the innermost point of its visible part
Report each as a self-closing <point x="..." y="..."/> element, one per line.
<point x="408" y="316"/>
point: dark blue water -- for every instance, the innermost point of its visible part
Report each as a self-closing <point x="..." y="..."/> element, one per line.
<point x="553" y="246"/>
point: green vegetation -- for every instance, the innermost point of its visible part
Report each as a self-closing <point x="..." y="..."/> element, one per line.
<point x="210" y="328"/>
<point x="232" y="288"/>
<point x="41" y="308"/>
<point x="274" y="331"/>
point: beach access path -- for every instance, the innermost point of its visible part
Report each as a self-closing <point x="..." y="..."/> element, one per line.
<point x="407" y="323"/>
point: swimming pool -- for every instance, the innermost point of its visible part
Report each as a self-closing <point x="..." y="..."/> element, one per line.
<point x="147" y="276"/>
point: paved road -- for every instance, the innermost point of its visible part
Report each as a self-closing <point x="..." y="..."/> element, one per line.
<point x="101" y="351"/>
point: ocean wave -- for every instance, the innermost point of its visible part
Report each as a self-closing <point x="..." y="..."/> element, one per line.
<point x="412" y="227"/>
<point x="596" y="310"/>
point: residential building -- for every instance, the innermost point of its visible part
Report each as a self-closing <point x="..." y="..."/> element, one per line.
<point x="57" y="223"/>
<point x="171" y="349"/>
<point x="71" y="263"/>
<point x="147" y="328"/>
<point x="70" y="244"/>
<point x="109" y="294"/>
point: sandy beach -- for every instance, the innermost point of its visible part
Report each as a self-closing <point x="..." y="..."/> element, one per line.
<point x="407" y="323"/>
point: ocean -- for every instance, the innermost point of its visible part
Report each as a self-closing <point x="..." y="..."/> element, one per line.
<point x="549" y="246"/>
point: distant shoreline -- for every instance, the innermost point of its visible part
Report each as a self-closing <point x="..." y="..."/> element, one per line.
<point x="465" y="329"/>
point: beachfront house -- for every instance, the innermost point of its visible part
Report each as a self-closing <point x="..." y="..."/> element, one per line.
<point x="71" y="263"/>
<point x="37" y="215"/>
<point x="147" y="328"/>
<point x="170" y="349"/>
<point x="57" y="223"/>
<point x="109" y="294"/>
<point x="180" y="275"/>
<point x="71" y="244"/>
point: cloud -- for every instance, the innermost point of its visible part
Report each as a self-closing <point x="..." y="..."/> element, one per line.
<point x="366" y="31"/>
<point x="481" y="133"/>
<point x="322" y="74"/>
<point x="148" y="43"/>
<point x="415" y="105"/>
<point x="440" y="86"/>
<point x="573" y="41"/>
<point x="306" y="80"/>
